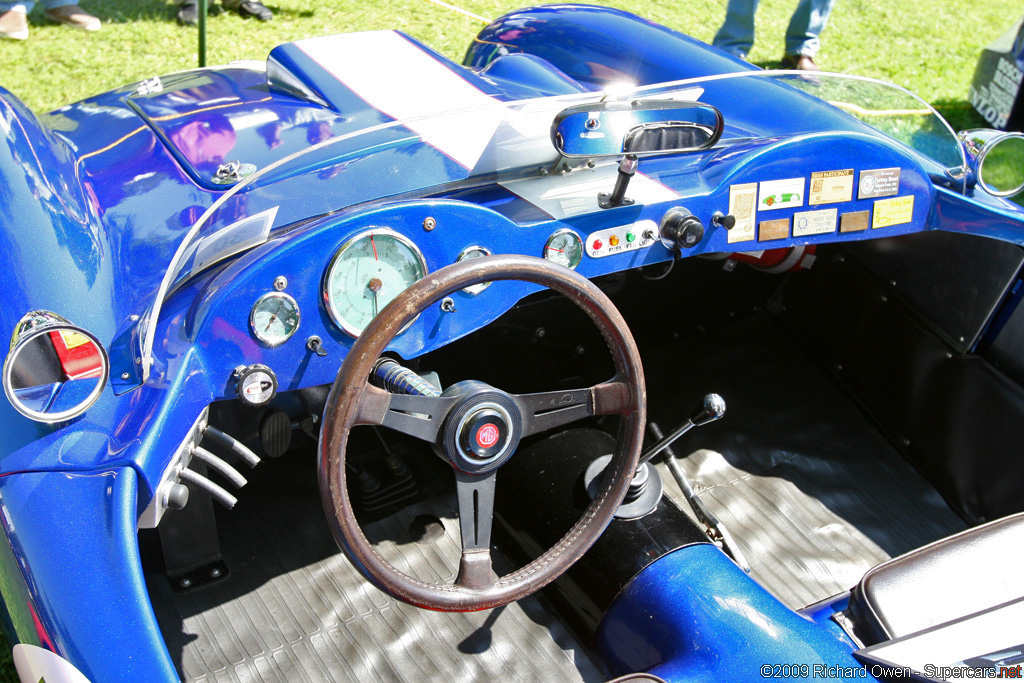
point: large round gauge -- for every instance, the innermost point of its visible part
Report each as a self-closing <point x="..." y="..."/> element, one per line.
<point x="274" y="318"/>
<point x="565" y="248"/>
<point x="368" y="272"/>
<point x="474" y="252"/>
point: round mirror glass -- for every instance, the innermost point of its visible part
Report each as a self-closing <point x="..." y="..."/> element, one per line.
<point x="1001" y="165"/>
<point x="54" y="372"/>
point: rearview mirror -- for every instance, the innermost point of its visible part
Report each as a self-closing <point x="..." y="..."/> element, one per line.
<point x="998" y="159"/>
<point x="640" y="127"/>
<point x="54" y="370"/>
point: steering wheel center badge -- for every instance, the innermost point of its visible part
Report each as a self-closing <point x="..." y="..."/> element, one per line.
<point x="484" y="435"/>
<point x="487" y="435"/>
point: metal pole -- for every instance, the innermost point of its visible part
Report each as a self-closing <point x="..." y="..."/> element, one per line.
<point x="201" y="6"/>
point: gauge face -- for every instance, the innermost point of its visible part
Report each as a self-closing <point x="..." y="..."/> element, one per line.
<point x="474" y="252"/>
<point x="565" y="248"/>
<point x="274" y="318"/>
<point x="365" y="275"/>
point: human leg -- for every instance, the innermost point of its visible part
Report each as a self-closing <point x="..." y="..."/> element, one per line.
<point x="806" y="25"/>
<point x="69" y="13"/>
<point x="14" y="19"/>
<point x="249" y="8"/>
<point x="737" y="33"/>
<point x="188" y="12"/>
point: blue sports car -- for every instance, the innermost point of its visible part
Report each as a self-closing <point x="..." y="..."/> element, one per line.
<point x="603" y="355"/>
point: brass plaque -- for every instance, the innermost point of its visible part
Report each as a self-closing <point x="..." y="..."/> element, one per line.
<point x="828" y="187"/>
<point x="777" y="229"/>
<point x="819" y="222"/>
<point x="879" y="182"/>
<point x="855" y="222"/>
<point x="894" y="211"/>
<point x="743" y="206"/>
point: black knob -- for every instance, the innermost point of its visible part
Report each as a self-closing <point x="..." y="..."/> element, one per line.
<point x="727" y="221"/>
<point x="680" y="229"/>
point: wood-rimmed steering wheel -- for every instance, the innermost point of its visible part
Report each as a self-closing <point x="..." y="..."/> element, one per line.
<point x="478" y="427"/>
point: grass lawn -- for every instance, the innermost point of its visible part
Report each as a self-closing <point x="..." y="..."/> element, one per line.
<point x="928" y="46"/>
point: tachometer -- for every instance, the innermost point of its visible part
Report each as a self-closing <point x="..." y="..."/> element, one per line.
<point x="368" y="272"/>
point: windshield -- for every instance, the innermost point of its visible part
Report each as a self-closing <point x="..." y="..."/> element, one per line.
<point x="509" y="139"/>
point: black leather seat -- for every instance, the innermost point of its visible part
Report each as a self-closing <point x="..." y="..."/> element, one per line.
<point x="954" y="577"/>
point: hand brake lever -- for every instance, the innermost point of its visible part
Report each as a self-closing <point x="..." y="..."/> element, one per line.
<point x="713" y="409"/>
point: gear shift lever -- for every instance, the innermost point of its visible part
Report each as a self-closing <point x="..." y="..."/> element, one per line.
<point x="713" y="408"/>
<point x="646" y="488"/>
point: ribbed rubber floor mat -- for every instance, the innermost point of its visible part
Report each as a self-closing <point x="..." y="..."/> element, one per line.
<point x="812" y="493"/>
<point x="293" y="609"/>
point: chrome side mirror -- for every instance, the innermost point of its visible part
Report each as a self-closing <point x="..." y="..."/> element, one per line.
<point x="997" y="158"/>
<point x="54" y="370"/>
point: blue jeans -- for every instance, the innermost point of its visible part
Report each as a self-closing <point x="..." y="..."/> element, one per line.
<point x="27" y="5"/>
<point x="737" y="33"/>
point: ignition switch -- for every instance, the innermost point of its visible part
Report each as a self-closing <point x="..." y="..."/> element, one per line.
<point x="680" y="229"/>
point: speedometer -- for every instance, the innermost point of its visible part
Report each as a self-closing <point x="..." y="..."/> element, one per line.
<point x="368" y="272"/>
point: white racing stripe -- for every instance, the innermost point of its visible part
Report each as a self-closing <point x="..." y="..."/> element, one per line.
<point x="403" y="81"/>
<point x="575" y="194"/>
<point x="459" y="10"/>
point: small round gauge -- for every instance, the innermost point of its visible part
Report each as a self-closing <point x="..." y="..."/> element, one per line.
<point x="565" y="248"/>
<point x="274" y="318"/>
<point x="474" y="252"/>
<point x="368" y="272"/>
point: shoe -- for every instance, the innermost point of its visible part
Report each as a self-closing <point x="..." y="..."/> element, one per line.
<point x="14" y="25"/>
<point x="799" y="62"/>
<point x="188" y="14"/>
<point x="73" y="16"/>
<point x="250" y="8"/>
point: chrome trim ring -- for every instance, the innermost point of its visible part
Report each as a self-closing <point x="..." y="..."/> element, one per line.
<point x="344" y="325"/>
<point x="266" y="339"/>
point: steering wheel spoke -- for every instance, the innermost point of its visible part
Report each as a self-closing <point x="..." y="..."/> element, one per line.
<point x="417" y="416"/>
<point x="551" y="409"/>
<point x="476" y="513"/>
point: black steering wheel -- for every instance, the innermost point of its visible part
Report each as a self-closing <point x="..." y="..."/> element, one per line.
<point x="478" y="427"/>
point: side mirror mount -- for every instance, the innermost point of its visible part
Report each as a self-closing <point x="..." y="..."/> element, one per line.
<point x="997" y="159"/>
<point x="54" y="370"/>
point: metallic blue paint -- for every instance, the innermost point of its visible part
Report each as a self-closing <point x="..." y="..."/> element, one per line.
<point x="96" y="196"/>
<point x="693" y="615"/>
<point x="74" y="539"/>
<point x="596" y="46"/>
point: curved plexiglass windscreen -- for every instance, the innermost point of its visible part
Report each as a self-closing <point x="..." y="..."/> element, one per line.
<point x="501" y="140"/>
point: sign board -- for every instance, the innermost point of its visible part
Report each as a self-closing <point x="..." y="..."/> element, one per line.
<point x="995" y="92"/>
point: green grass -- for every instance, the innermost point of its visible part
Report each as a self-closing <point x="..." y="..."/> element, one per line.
<point x="928" y="47"/>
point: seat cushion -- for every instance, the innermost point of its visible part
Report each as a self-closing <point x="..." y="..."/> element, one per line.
<point x="954" y="577"/>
